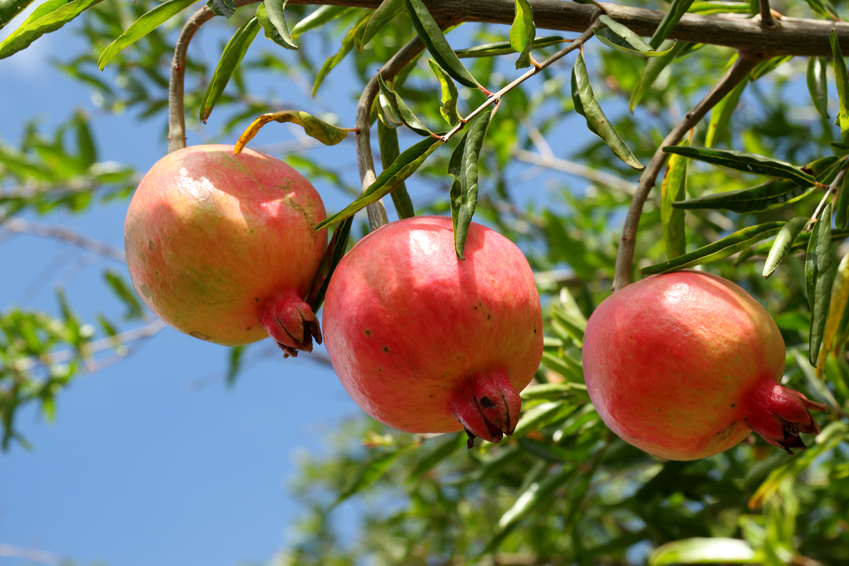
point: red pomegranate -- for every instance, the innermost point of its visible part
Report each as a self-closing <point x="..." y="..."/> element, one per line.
<point x="223" y="247"/>
<point x="686" y="364"/>
<point x="425" y="342"/>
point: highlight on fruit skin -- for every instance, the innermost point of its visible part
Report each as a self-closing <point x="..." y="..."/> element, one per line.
<point x="223" y="247"/>
<point x="685" y="365"/>
<point x="428" y="343"/>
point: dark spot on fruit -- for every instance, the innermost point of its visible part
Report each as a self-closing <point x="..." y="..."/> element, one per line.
<point x="733" y="405"/>
<point x="489" y="317"/>
<point x="367" y="332"/>
<point x="151" y="245"/>
<point x="199" y="335"/>
<point x="487" y="403"/>
<point x="386" y="348"/>
<point x="256" y="299"/>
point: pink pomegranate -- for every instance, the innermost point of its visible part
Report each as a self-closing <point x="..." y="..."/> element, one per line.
<point x="224" y="247"/>
<point x="425" y="342"/>
<point x="686" y="364"/>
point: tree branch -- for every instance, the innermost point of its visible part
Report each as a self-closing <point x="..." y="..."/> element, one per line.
<point x="625" y="255"/>
<point x="21" y="226"/>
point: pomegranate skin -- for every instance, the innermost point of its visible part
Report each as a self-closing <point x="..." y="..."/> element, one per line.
<point x="685" y="365"/>
<point x="428" y="343"/>
<point x="223" y="247"/>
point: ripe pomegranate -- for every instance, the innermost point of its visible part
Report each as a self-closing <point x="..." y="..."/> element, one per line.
<point x="686" y="364"/>
<point x="425" y="342"/>
<point x="223" y="247"/>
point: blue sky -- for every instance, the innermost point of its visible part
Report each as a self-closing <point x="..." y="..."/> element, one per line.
<point x="152" y="460"/>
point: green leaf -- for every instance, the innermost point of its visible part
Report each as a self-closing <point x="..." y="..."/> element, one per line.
<point x="270" y="14"/>
<point x="385" y="13"/>
<point x="819" y="276"/>
<point x="565" y="365"/>
<point x="818" y="84"/>
<point x="318" y="18"/>
<point x="387" y="139"/>
<point x="85" y="141"/>
<point x="315" y="128"/>
<point x="406" y="164"/>
<point x="450" y="443"/>
<point x="141" y="27"/>
<point x="720" y="249"/>
<point x="706" y="551"/>
<point x="676" y="10"/>
<point x="824" y="8"/>
<point x="433" y="38"/>
<point x="834" y="335"/>
<point x="841" y="79"/>
<point x="371" y="471"/>
<point x="783" y="243"/>
<point x="504" y="47"/>
<point x="234" y="364"/>
<point x="334" y="60"/>
<point x="401" y="111"/>
<point x="449" y="97"/>
<point x="336" y="249"/>
<point x="11" y="8"/>
<point x="841" y="207"/>
<point x="523" y="33"/>
<point x="46" y="18"/>
<point x="655" y="65"/>
<point x="746" y="162"/>
<point x="125" y="293"/>
<point x="587" y="106"/>
<point x="233" y="54"/>
<point x="463" y="166"/>
<point x="673" y="188"/>
<point x="721" y="114"/>
<point x="621" y="38"/>
<point x="224" y="8"/>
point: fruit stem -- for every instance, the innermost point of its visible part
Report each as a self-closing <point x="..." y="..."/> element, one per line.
<point x="779" y="414"/>
<point x="290" y="322"/>
<point x="487" y="406"/>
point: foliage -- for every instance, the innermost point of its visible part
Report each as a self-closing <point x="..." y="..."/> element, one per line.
<point x="552" y="154"/>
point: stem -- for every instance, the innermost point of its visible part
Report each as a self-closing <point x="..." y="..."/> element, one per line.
<point x="365" y="160"/>
<point x="829" y="193"/>
<point x="575" y="44"/>
<point x="625" y="255"/>
<point x="767" y="20"/>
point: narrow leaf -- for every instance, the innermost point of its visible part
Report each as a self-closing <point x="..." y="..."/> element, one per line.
<point x="334" y="60"/>
<point x="841" y="208"/>
<point x="832" y="341"/>
<point x="783" y="243"/>
<point x="401" y="110"/>
<point x="318" y="18"/>
<point x="673" y="188"/>
<point x="387" y="139"/>
<point x="449" y="97"/>
<point x="370" y="472"/>
<point x="721" y="114"/>
<point x="504" y="47"/>
<point x="587" y="106"/>
<point x="841" y="79"/>
<point x="676" y="10"/>
<point x="818" y="84"/>
<point x="224" y="8"/>
<point x="11" y="8"/>
<point x="85" y="141"/>
<point x="824" y="8"/>
<point x="336" y="249"/>
<point x="654" y="66"/>
<point x="385" y="13"/>
<point x="819" y="274"/>
<point x="747" y="162"/>
<point x="274" y="23"/>
<point x="463" y="166"/>
<point x="313" y="127"/>
<point x="141" y="27"/>
<point x="125" y="293"/>
<point x="621" y="38"/>
<point x="46" y="18"/>
<point x="233" y="54"/>
<point x="522" y="33"/>
<point x="720" y="249"/>
<point x="433" y="38"/>
<point x="406" y="164"/>
<point x="234" y="364"/>
<point x="713" y="550"/>
<point x="752" y="199"/>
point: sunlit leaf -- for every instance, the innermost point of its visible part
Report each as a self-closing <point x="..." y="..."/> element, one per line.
<point x="522" y="33"/>
<point x="819" y="277"/>
<point x="46" y="18"/>
<point x="832" y="339"/>
<point x="504" y="47"/>
<point x="270" y="14"/>
<point x="449" y="97"/>
<point x="841" y="79"/>
<point x="233" y="54"/>
<point x="783" y="243"/>
<point x="334" y="60"/>
<point x="720" y="115"/>
<point x="713" y="550"/>
<point x="141" y="27"/>
<point x="314" y="127"/>
<point x="385" y="13"/>
<point x="746" y="162"/>
<point x="720" y="249"/>
<point x="676" y="10"/>
<point x="672" y="189"/>
<point x="318" y="18"/>
<point x="587" y="106"/>
<point x="463" y="166"/>
<point x="620" y="37"/>
<point x="401" y="111"/>
<point x="655" y="65"/>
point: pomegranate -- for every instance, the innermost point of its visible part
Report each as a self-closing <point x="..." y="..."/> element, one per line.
<point x="685" y="365"/>
<point x="425" y="342"/>
<point x="223" y="247"/>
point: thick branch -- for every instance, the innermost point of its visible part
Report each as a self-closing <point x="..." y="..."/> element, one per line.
<point x="625" y="255"/>
<point x="789" y="36"/>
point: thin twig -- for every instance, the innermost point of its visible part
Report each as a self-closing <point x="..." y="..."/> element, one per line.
<point x="625" y="254"/>
<point x="829" y="194"/>
<point x="572" y="168"/>
<point x="21" y="226"/>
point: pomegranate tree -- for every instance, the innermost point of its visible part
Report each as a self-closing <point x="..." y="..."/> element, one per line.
<point x="686" y="364"/>
<point x="223" y="247"/>
<point x="425" y="342"/>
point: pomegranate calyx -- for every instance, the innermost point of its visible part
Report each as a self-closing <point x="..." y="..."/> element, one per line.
<point x="290" y="322"/>
<point x="487" y="406"/>
<point x="781" y="414"/>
